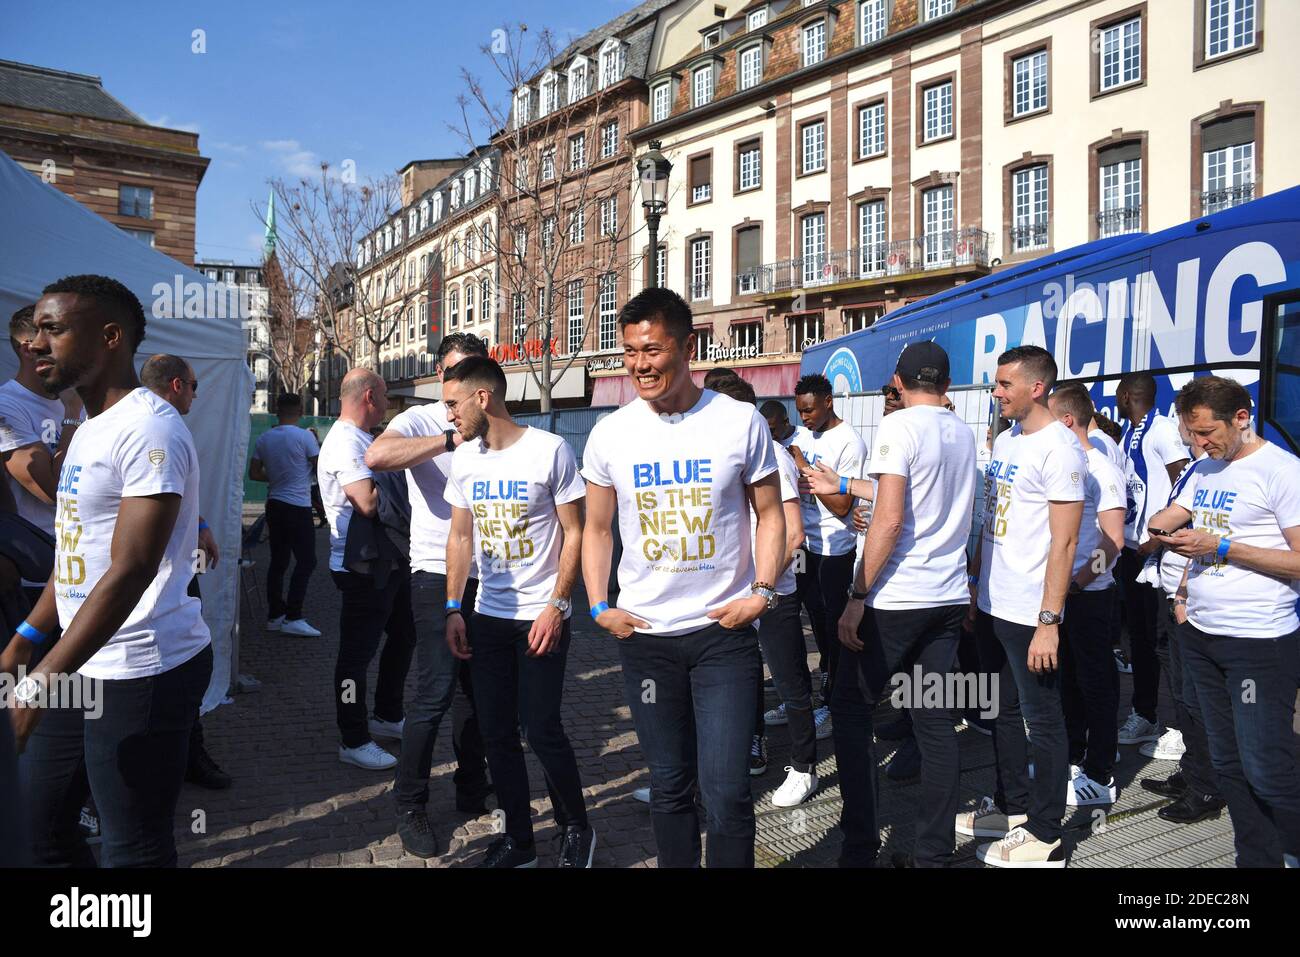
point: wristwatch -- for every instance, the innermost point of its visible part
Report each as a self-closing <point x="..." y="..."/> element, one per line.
<point x="562" y="605"/>
<point x="857" y="595"/>
<point x="27" y="690"/>
<point x="766" y="592"/>
<point x="1049" y="618"/>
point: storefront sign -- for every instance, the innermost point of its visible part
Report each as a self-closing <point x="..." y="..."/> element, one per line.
<point x="717" y="353"/>
<point x="519" y="351"/>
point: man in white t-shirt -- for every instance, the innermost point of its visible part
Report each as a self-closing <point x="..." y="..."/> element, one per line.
<point x="420" y="440"/>
<point x="516" y="499"/>
<point x="1034" y="495"/>
<point x="126" y="523"/>
<point x="1089" y="681"/>
<point x="347" y="488"/>
<point x="285" y="458"/>
<point x="1104" y="444"/>
<point x="680" y="466"/>
<point x="831" y="541"/>
<point x="1240" y="643"/>
<point x="1154" y="454"/>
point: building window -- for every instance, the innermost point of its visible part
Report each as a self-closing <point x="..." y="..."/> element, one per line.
<point x="1120" y="174"/>
<point x="543" y="313"/>
<point x="548" y="235"/>
<point x="751" y="66"/>
<point x="938" y="111"/>
<point x="861" y="317"/>
<point x="424" y="320"/>
<point x="701" y="268"/>
<point x="521" y="241"/>
<point x="756" y="19"/>
<point x="135" y="201"/>
<point x="522" y="100"/>
<point x="813" y="245"/>
<point x="577" y="227"/>
<point x="937" y="217"/>
<point x="227" y="276"/>
<point x="471" y="186"/>
<point x="704" y="348"/>
<point x="747" y="338"/>
<point x="661" y="102"/>
<point x="613" y="60"/>
<point x="1029" y="208"/>
<point x="471" y="294"/>
<point x="410" y="273"/>
<point x="1229" y="26"/>
<point x="410" y="223"/>
<point x="873" y="244"/>
<point x="550" y="98"/>
<point x="937" y="8"/>
<point x="813" y="147"/>
<point x="437" y="202"/>
<point x="455" y="253"/>
<point x="453" y="308"/>
<point x="410" y="322"/>
<point x="577" y="82"/>
<point x="485" y="297"/>
<point x="711" y="39"/>
<point x="803" y="332"/>
<point x="574" y="297"/>
<point x="872" y="21"/>
<point x="455" y="199"/>
<point x="871" y="130"/>
<point x="609" y="139"/>
<point x="749" y="251"/>
<point x="814" y="42"/>
<point x="521" y="175"/>
<point x="424" y="214"/>
<point x="609" y="216"/>
<point x="518" y="317"/>
<point x="701" y="85"/>
<point x="749" y="165"/>
<point x="578" y="151"/>
<point x="701" y="178"/>
<point x="1120" y="54"/>
<point x="548" y="168"/>
<point x="1228" y="164"/>
<point x="608" y="305"/>
<point x="211" y="274"/>
<point x="1029" y="79"/>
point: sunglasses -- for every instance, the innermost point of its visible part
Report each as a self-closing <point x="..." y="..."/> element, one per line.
<point x="889" y="392"/>
<point x="192" y="383"/>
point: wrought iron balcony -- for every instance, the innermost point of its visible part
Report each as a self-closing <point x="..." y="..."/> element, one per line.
<point x="1215" y="200"/>
<point x="701" y="290"/>
<point x="1029" y="235"/>
<point x="1116" y="222"/>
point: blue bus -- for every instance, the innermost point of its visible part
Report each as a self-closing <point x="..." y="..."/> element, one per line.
<point x="1217" y="295"/>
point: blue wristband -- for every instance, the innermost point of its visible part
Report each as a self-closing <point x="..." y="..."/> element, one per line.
<point x="598" y="609"/>
<point x="203" y="526"/>
<point x="1224" y="545"/>
<point x="453" y="604"/>
<point x="31" y="634"/>
<point x="844" y="486"/>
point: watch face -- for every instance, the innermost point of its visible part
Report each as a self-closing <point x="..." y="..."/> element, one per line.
<point x="1048" y="618"/>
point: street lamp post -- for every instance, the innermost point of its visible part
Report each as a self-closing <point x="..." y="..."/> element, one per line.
<point x="654" y="169"/>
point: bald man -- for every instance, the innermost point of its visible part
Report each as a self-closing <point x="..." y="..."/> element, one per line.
<point x="347" y="487"/>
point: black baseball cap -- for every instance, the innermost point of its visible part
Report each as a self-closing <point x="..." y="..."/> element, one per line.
<point x="924" y="362"/>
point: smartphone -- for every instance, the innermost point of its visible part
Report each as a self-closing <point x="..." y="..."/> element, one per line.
<point x="1164" y="534"/>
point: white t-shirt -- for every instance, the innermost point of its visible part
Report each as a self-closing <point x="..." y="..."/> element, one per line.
<point x="26" y="417"/>
<point x="1104" y="489"/>
<point x="682" y="507"/>
<point x="286" y="452"/>
<point x="512" y="495"/>
<point x="1150" y="446"/>
<point x="342" y="461"/>
<point x="934" y="451"/>
<point x="137" y="447"/>
<point x="1104" y="444"/>
<point x="426" y="484"/>
<point x="1172" y="565"/>
<point x="1250" y="501"/>
<point x="844" y="451"/>
<point x="788" y="583"/>
<point x="1026" y="473"/>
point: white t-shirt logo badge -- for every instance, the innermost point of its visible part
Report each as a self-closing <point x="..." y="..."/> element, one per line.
<point x="157" y="457"/>
<point x="884" y="450"/>
<point x="1074" y="477"/>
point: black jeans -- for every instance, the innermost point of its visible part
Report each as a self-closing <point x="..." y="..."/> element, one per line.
<point x="291" y="532"/>
<point x="1036" y="698"/>
<point x="780" y="633"/>
<point x="1246" y="689"/>
<point x="692" y="700"/>
<point x="1090" y="682"/>
<point x="368" y="612"/>
<point x="1141" y="611"/>
<point x="517" y="691"/>
<point x="1195" y="766"/>
<point x="823" y="589"/>
<point x="894" y="643"/>
<point x="441" y="684"/>
<point x="131" y="758"/>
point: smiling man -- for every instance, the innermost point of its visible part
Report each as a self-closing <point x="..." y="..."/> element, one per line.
<point x="681" y="465"/>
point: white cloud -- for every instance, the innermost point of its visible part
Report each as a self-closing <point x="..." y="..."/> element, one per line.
<point x="239" y="148"/>
<point x="293" y="159"/>
<point x="166" y="122"/>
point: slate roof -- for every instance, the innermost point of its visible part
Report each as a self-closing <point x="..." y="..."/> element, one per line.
<point x="40" y="88"/>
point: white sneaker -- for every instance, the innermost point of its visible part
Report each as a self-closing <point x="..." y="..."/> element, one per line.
<point x="776" y="717"/>
<point x="392" y="730"/>
<point x="1137" y="729"/>
<point x="987" y="821"/>
<point x="1021" y="849"/>
<point x="642" y="795"/>
<point x="822" y="721"/>
<point x="1083" y="791"/>
<point x="1076" y="771"/>
<point x="274" y="624"/>
<point x="798" y="787"/>
<point x="369" y="756"/>
<point x="1170" y="747"/>
<point x="298" y="626"/>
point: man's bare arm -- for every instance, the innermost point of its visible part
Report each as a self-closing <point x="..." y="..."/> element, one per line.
<point x="364" y="496"/>
<point x="598" y="541"/>
<point x="391" y="452"/>
<point x="460" y="542"/>
<point x="1063" y="520"/>
<point x="570" y="518"/>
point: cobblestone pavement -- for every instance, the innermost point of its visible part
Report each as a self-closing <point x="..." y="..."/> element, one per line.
<point x="293" y="804"/>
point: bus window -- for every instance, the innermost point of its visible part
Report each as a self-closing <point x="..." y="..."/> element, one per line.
<point x="1283" y="369"/>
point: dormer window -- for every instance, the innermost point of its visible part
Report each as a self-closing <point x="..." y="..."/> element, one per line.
<point x="577" y="79"/>
<point x="523" y="100"/>
<point x="455" y="195"/>
<point x="661" y="101"/>
<point x="702" y="85"/>
<point x="437" y="206"/>
<point x="471" y="186"/>
<point x="613" y="61"/>
<point x="550" y="94"/>
<point x="711" y="38"/>
<point x="424" y="214"/>
<point x="757" y="19"/>
<point x="485" y="176"/>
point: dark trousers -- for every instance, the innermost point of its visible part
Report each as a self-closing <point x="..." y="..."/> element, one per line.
<point x="291" y="533"/>
<point x="1089" y="682"/>
<point x="894" y="643"/>
<point x="131" y="758"/>
<point x="518" y="691"/>
<point x="1036" y="698"/>
<point x="692" y="699"/>
<point x="1195" y="766"/>
<point x="441" y="684"/>
<point x="1246" y="690"/>
<point x="367" y="613"/>
<point x="780" y="633"/>
<point x="823" y="589"/>
<point x="1141" y="611"/>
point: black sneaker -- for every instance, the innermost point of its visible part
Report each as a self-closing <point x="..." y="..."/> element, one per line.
<point x="906" y="763"/>
<point x="1191" y="808"/>
<point x="504" y="852"/>
<point x="1122" y="663"/>
<point x="758" y="756"/>
<point x="577" y="846"/>
<point x="896" y="730"/>
<point x="204" y="772"/>
<point x="1173" y="786"/>
<point x="416" y="833"/>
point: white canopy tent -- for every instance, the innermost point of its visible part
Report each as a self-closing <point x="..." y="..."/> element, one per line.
<point x="45" y="235"/>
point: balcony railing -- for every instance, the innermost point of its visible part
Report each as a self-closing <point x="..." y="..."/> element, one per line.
<point x="1214" y="200"/>
<point x="1116" y="222"/>
<point x="942" y="250"/>
<point x="1027" y="236"/>
<point x="700" y="290"/>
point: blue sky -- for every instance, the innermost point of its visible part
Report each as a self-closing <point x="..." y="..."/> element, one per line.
<point x="283" y="85"/>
